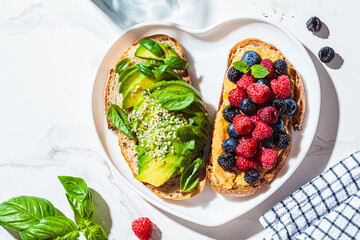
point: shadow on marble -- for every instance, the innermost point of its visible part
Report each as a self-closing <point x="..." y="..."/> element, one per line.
<point x="324" y="32"/>
<point x="336" y="63"/>
<point x="15" y="234"/>
<point x="314" y="163"/>
<point x="156" y="233"/>
<point x="102" y="214"/>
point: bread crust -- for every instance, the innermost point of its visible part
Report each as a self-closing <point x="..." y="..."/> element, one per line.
<point x="171" y="189"/>
<point x="296" y="121"/>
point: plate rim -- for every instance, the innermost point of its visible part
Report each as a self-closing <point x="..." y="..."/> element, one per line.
<point x="192" y="31"/>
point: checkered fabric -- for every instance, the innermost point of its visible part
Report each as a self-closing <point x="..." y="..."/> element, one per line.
<point x="328" y="207"/>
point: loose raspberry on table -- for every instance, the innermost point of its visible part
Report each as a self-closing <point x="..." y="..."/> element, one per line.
<point x="247" y="147"/>
<point x="142" y="227"/>
<point x="242" y="124"/>
<point x="261" y="131"/>
<point x="281" y="87"/>
<point x="268" y="114"/>
<point x="268" y="64"/>
<point x="259" y="93"/>
<point x="267" y="157"/>
<point x="236" y="96"/>
<point x="245" y="164"/>
<point x="245" y="80"/>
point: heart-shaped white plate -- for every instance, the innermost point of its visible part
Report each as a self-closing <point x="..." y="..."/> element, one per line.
<point x="207" y="51"/>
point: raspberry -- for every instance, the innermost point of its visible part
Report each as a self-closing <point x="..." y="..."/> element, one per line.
<point x="259" y="93"/>
<point x="251" y="176"/>
<point x="268" y="114"/>
<point x="245" y="80"/>
<point x="142" y="227"/>
<point x="242" y="124"/>
<point x="226" y="161"/>
<point x="261" y="131"/>
<point x="247" y="147"/>
<point x="281" y="87"/>
<point x="314" y="24"/>
<point x="234" y="74"/>
<point x="236" y="96"/>
<point x="245" y="164"/>
<point x="326" y="54"/>
<point x="255" y="119"/>
<point x="268" y="64"/>
<point x="267" y="157"/>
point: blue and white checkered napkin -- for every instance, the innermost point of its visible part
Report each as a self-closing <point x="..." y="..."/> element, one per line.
<point x="328" y="207"/>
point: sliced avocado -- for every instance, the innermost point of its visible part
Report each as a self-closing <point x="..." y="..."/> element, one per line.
<point x="142" y="52"/>
<point x="135" y="89"/>
<point x="169" y="74"/>
<point x="174" y="84"/>
<point x="158" y="175"/>
<point x="125" y="73"/>
<point x="126" y="82"/>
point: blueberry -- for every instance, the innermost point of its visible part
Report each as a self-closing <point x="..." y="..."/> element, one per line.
<point x="229" y="145"/>
<point x="279" y="104"/>
<point x="268" y="142"/>
<point x="247" y="106"/>
<point x="282" y="140"/>
<point x="234" y="75"/>
<point x="290" y="107"/>
<point x="251" y="58"/>
<point x="278" y="126"/>
<point x="251" y="176"/>
<point x="264" y="81"/>
<point x="231" y="131"/>
<point x="230" y="112"/>
<point x="226" y="161"/>
<point x="280" y="66"/>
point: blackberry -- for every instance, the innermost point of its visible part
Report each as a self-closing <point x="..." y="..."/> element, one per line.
<point x="314" y="24"/>
<point x="251" y="176"/>
<point x="268" y="142"/>
<point x="234" y="75"/>
<point x="280" y="66"/>
<point x="231" y="132"/>
<point x="264" y="81"/>
<point x="226" y="161"/>
<point x="290" y="107"/>
<point x="230" y="112"/>
<point x="283" y="140"/>
<point x="279" y="104"/>
<point x="247" y="106"/>
<point x="278" y="126"/>
<point x="326" y="54"/>
<point x="229" y="145"/>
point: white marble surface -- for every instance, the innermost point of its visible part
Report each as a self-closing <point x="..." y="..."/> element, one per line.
<point x="49" y="54"/>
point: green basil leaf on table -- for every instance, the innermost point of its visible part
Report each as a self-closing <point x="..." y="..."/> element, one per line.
<point x="152" y="46"/>
<point x="178" y="102"/>
<point x="186" y="136"/>
<point x="51" y="227"/>
<point x="177" y="63"/>
<point x="20" y="213"/>
<point x="119" y="119"/>
<point x="241" y="66"/>
<point x="94" y="232"/>
<point x="122" y="65"/>
<point x="145" y="70"/>
<point x="259" y="71"/>
<point x="190" y="177"/>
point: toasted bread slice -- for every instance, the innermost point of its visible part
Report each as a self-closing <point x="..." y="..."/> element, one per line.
<point x="231" y="183"/>
<point x="171" y="189"/>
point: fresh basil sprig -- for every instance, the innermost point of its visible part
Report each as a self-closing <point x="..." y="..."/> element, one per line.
<point x="177" y="102"/>
<point x="122" y="65"/>
<point x="152" y="46"/>
<point x="119" y="119"/>
<point x="176" y="63"/>
<point x="145" y="70"/>
<point x="241" y="66"/>
<point x="259" y="71"/>
<point x="190" y="177"/>
<point x="186" y="136"/>
<point x="94" y="232"/>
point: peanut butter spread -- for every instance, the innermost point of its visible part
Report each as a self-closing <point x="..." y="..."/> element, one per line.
<point x="235" y="178"/>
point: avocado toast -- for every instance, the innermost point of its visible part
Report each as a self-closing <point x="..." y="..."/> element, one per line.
<point x="162" y="121"/>
<point x="252" y="130"/>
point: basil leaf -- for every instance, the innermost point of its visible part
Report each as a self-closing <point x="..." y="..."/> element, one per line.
<point x="186" y="136"/>
<point x="119" y="119"/>
<point x="145" y="70"/>
<point x="152" y="46"/>
<point x="122" y="65"/>
<point x="79" y="198"/>
<point x="241" y="66"/>
<point x="152" y="63"/>
<point x="20" y="213"/>
<point x="160" y="70"/>
<point x="176" y="63"/>
<point x="259" y="71"/>
<point x="178" y="102"/>
<point x="190" y="178"/>
<point x="59" y="228"/>
<point x="94" y="232"/>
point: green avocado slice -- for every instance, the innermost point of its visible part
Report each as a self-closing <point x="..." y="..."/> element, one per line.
<point x="142" y="52"/>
